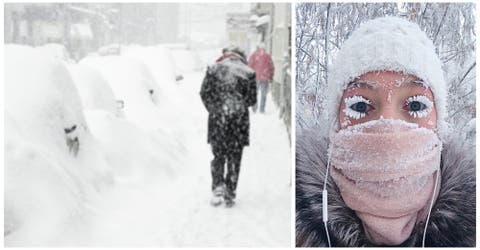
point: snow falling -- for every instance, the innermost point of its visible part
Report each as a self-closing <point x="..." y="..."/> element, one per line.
<point x="106" y="144"/>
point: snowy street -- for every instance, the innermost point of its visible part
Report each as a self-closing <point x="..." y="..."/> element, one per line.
<point x="172" y="209"/>
<point x="107" y="130"/>
<point x="178" y="213"/>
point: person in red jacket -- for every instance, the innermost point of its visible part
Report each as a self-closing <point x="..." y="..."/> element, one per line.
<point x="262" y="63"/>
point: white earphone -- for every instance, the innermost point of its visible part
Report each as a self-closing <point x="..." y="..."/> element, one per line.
<point x="325" y="202"/>
<point x="431" y="206"/>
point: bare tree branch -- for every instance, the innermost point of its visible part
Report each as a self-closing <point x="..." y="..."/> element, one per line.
<point x="466" y="73"/>
<point x="326" y="43"/>
<point x="441" y="23"/>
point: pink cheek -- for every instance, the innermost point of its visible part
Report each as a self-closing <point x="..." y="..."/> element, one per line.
<point x="345" y="122"/>
<point x="428" y="122"/>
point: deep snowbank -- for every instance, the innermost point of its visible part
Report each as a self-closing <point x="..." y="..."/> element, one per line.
<point x="53" y="166"/>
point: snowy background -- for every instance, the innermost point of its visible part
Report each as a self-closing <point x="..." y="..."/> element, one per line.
<point x="106" y="135"/>
<point x="321" y="29"/>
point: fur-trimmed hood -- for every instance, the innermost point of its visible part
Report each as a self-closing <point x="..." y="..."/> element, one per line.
<point x="452" y="220"/>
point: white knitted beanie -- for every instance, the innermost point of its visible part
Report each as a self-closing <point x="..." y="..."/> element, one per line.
<point x="393" y="44"/>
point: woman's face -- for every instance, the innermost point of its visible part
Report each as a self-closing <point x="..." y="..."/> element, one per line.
<point x="390" y="95"/>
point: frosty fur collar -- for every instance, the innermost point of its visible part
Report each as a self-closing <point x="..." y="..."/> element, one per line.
<point x="452" y="222"/>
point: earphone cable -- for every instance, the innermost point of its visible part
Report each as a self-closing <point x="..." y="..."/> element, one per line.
<point x="325" y="202"/>
<point x="430" y="210"/>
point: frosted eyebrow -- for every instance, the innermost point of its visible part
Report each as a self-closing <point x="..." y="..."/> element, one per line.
<point x="419" y="81"/>
<point x="411" y="82"/>
<point x="374" y="84"/>
<point x="362" y="83"/>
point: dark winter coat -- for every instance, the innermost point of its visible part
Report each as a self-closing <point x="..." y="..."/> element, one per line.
<point x="227" y="91"/>
<point x="452" y="220"/>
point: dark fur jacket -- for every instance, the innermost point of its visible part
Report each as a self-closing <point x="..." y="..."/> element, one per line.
<point x="452" y="220"/>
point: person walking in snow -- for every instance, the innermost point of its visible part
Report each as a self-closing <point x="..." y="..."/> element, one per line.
<point x="227" y="91"/>
<point x="390" y="172"/>
<point x="262" y="63"/>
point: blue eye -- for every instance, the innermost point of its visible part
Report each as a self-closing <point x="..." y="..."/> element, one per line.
<point x="360" y="107"/>
<point x="416" y="106"/>
<point x="357" y="107"/>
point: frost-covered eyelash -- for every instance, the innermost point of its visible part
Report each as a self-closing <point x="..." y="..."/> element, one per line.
<point x="349" y="101"/>
<point x="422" y="99"/>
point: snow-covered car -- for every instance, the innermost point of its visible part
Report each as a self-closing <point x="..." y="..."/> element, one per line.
<point x="132" y="152"/>
<point x="94" y="90"/>
<point x="132" y="83"/>
<point x="161" y="64"/>
<point x="186" y="60"/>
<point x="157" y="58"/>
<point x="53" y="166"/>
<point x="55" y="50"/>
<point x="145" y="105"/>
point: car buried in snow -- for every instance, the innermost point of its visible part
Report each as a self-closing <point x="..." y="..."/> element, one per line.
<point x="134" y="153"/>
<point x="52" y="163"/>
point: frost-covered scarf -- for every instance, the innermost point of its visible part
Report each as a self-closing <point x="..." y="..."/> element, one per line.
<point x="385" y="170"/>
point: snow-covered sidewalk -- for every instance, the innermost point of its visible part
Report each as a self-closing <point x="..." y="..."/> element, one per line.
<point x="175" y="211"/>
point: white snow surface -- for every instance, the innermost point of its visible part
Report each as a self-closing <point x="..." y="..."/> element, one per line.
<point x="208" y="56"/>
<point x="157" y="58"/>
<point x="176" y="212"/>
<point x="47" y="186"/>
<point x="131" y="82"/>
<point x="161" y="188"/>
<point x="186" y="60"/>
<point x="134" y="153"/>
<point x="131" y="151"/>
<point x="55" y="50"/>
<point x="93" y="88"/>
<point x="160" y="62"/>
